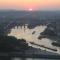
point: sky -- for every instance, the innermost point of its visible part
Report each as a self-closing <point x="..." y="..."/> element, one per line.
<point x="30" y="4"/>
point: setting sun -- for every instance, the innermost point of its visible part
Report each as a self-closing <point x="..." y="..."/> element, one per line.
<point x="25" y="4"/>
<point x="30" y="9"/>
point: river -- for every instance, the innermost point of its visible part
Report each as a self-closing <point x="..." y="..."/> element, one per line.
<point x="32" y="59"/>
<point x="26" y="33"/>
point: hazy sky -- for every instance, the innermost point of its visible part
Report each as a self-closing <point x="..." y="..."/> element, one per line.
<point x="30" y="4"/>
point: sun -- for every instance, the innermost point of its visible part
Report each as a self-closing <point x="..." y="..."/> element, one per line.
<point x="30" y="9"/>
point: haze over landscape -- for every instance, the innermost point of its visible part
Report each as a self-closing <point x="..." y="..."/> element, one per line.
<point x="29" y="28"/>
<point x="30" y="4"/>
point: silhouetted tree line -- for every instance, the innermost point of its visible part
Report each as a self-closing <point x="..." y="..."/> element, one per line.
<point x="10" y="43"/>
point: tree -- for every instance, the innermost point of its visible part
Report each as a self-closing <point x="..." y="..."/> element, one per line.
<point x="10" y="43"/>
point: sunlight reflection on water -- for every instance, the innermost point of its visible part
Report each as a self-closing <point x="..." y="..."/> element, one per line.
<point x="32" y="59"/>
<point x="26" y="33"/>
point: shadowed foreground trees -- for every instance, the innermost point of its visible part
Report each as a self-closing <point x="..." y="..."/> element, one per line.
<point x="10" y="43"/>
